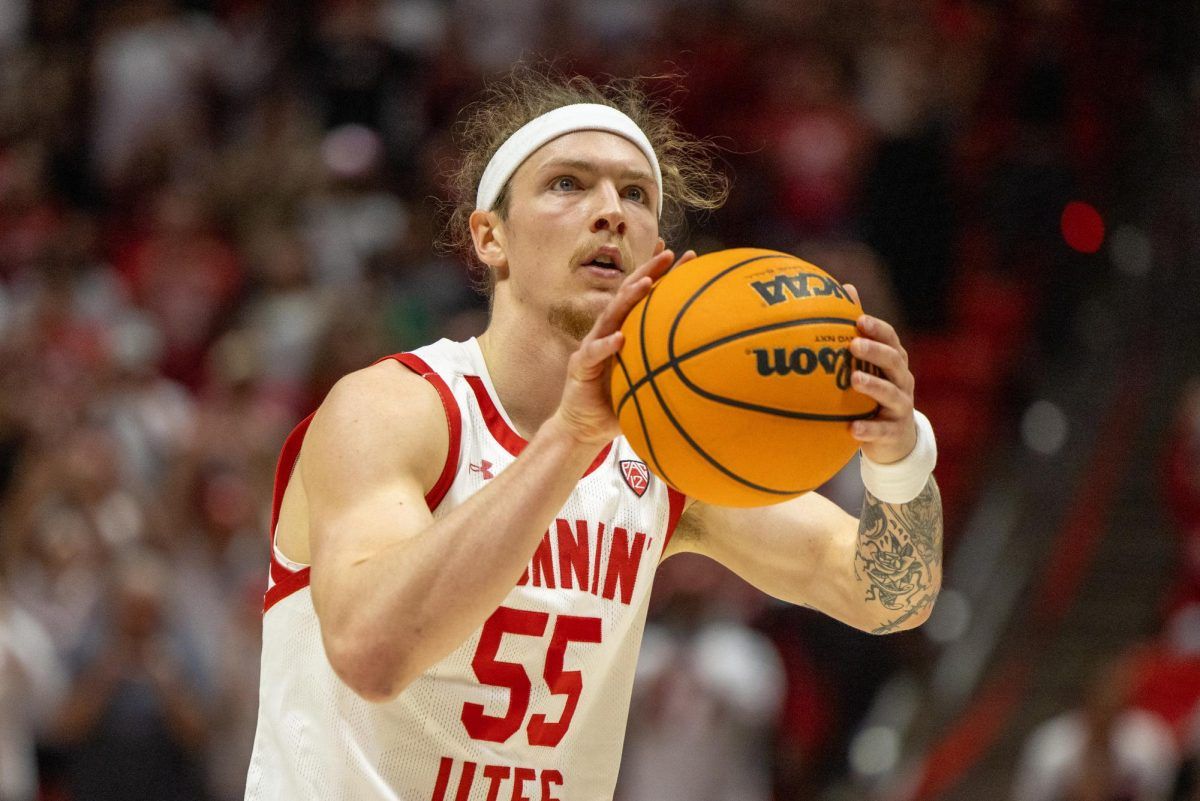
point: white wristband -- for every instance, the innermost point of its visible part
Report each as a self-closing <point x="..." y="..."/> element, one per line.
<point x="900" y="482"/>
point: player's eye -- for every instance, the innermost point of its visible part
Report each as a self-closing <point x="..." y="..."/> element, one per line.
<point x="564" y="183"/>
<point x="636" y="194"/>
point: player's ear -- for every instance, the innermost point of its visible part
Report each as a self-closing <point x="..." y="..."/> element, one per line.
<point x="487" y="234"/>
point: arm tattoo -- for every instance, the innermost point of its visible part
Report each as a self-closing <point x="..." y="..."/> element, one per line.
<point x="899" y="554"/>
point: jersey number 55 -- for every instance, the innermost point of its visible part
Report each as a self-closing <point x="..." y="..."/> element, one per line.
<point x="497" y="673"/>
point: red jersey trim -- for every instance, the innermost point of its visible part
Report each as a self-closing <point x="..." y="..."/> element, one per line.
<point x="283" y="474"/>
<point x="677" y="502"/>
<point x="500" y="430"/>
<point x="453" y="422"/>
<point x="282" y="589"/>
<point x="510" y="440"/>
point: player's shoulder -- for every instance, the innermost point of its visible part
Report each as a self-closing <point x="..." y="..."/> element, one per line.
<point x="387" y="389"/>
<point x="382" y="407"/>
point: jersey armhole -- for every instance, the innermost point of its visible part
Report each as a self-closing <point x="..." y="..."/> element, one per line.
<point x="438" y="491"/>
<point x="284" y="581"/>
<point x="284" y="470"/>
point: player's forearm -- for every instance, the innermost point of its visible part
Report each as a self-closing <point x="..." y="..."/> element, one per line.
<point x="407" y="605"/>
<point x="898" y="560"/>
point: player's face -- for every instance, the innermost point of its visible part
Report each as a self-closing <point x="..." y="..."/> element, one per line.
<point x="582" y="214"/>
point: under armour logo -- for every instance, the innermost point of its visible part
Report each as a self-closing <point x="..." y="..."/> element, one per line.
<point x="484" y="467"/>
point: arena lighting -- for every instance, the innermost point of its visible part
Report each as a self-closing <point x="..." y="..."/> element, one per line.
<point x="1082" y="227"/>
<point x="875" y="751"/>
<point x="1131" y="251"/>
<point x="950" y="618"/>
<point x="1044" y="427"/>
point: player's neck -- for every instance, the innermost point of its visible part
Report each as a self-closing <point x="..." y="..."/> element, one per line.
<point x="527" y="362"/>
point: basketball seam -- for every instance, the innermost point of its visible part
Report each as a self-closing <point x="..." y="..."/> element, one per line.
<point x="637" y="407"/>
<point x="673" y="364"/>
<point x="646" y="365"/>
<point x="671" y="417"/>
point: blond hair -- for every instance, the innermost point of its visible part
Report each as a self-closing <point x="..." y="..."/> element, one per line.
<point x="690" y="181"/>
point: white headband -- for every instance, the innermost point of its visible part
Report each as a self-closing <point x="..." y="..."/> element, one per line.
<point x="551" y="125"/>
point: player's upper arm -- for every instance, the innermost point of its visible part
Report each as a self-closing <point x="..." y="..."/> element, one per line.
<point x="373" y="449"/>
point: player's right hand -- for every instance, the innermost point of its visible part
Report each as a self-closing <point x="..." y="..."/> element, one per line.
<point x="586" y="409"/>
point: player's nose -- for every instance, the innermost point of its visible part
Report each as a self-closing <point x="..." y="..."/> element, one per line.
<point x="608" y="216"/>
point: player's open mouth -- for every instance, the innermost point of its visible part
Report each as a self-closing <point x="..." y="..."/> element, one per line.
<point x="607" y="259"/>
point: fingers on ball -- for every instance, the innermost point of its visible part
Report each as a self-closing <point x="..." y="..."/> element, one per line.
<point x="872" y="430"/>
<point x="880" y="330"/>
<point x="881" y="390"/>
<point x="893" y="362"/>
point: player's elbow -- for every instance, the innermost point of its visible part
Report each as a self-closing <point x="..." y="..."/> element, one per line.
<point x="916" y="617"/>
<point x="373" y="671"/>
<point x="374" y="660"/>
<point x="906" y="619"/>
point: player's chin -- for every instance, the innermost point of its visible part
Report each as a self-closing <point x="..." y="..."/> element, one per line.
<point x="576" y="316"/>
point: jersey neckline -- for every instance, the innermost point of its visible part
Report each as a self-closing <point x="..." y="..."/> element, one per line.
<point x="497" y="420"/>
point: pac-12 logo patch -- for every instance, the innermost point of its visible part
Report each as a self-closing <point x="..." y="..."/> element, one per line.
<point x="636" y="476"/>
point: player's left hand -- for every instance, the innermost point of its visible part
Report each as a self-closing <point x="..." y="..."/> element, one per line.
<point x="892" y="434"/>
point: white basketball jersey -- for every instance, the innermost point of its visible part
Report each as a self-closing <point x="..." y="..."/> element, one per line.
<point x="532" y="706"/>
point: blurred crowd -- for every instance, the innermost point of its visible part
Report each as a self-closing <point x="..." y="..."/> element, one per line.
<point x="1134" y="733"/>
<point x="210" y="211"/>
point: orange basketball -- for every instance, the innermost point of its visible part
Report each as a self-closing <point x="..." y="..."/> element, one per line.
<point x="734" y="380"/>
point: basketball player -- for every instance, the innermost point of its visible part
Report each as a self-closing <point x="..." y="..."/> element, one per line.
<point x="464" y="544"/>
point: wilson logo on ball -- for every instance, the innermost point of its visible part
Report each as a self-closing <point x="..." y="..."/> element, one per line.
<point x="798" y="285"/>
<point x="837" y="362"/>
